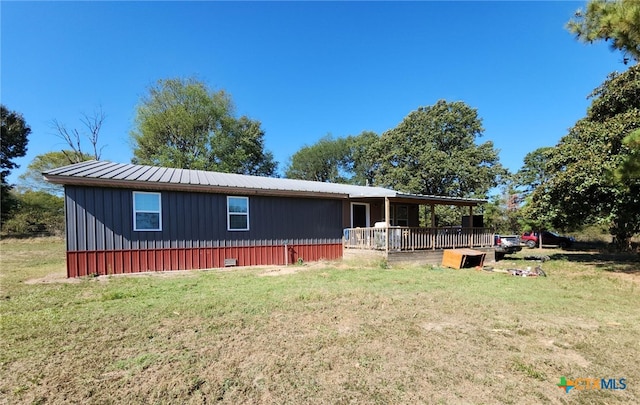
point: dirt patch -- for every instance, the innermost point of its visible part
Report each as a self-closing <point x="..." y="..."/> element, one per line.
<point x="270" y="271"/>
<point x="53" y="278"/>
<point x="281" y="271"/>
<point x="562" y="353"/>
<point x="261" y="271"/>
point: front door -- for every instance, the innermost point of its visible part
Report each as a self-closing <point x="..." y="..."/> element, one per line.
<point x="359" y="215"/>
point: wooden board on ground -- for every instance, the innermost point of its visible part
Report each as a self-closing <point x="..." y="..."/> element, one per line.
<point x="461" y="258"/>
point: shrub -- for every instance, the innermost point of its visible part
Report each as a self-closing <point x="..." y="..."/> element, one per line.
<point x="35" y="213"/>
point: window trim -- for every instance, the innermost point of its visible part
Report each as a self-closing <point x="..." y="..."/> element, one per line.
<point x="135" y="211"/>
<point x="237" y="213"/>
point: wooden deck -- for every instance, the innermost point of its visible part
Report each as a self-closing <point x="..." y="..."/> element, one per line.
<point x="414" y="245"/>
<point x="406" y="239"/>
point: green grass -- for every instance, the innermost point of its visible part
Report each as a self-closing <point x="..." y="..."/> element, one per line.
<point x="330" y="333"/>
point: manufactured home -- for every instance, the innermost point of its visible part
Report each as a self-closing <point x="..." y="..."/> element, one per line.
<point x="126" y="218"/>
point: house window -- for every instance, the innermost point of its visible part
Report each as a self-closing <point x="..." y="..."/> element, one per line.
<point x="237" y="213"/>
<point x="399" y="215"/>
<point x="147" y="213"/>
<point x="402" y="215"/>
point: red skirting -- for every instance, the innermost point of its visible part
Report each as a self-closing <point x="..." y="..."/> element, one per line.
<point x="105" y="262"/>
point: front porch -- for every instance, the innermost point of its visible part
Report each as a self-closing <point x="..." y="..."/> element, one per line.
<point x="398" y="237"/>
<point x="424" y="246"/>
<point x="409" y="239"/>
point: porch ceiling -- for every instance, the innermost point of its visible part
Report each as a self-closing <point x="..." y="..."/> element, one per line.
<point x="438" y="200"/>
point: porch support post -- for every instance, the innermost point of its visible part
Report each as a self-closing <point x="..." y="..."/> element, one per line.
<point x="433" y="215"/>
<point x="387" y="222"/>
<point x="471" y="224"/>
<point x="434" y="231"/>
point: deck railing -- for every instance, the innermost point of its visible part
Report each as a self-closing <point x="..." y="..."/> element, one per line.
<point x="407" y="238"/>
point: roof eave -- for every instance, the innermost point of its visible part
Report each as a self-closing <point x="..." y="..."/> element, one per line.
<point x="458" y="201"/>
<point x="200" y="188"/>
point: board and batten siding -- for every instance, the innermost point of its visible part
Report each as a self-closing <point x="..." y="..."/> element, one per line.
<point x="194" y="225"/>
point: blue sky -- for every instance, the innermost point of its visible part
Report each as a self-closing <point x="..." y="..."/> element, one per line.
<point x="304" y="69"/>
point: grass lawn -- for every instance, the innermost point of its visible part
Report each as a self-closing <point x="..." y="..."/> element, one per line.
<point x="321" y="333"/>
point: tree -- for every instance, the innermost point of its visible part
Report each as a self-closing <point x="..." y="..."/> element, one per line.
<point x="533" y="174"/>
<point x="629" y="170"/>
<point x="36" y="212"/>
<point x="362" y="163"/>
<point x="241" y="149"/>
<point x="183" y="124"/>
<point x="582" y="187"/>
<point x="324" y="161"/>
<point x="336" y="160"/>
<point x="13" y="144"/>
<point x="534" y="171"/>
<point x="32" y="177"/>
<point x="500" y="215"/>
<point x="433" y="151"/>
<point x="616" y="21"/>
<point x="73" y="138"/>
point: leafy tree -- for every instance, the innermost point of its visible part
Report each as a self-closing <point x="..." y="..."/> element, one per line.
<point x="183" y="124"/>
<point x="534" y="172"/>
<point x="616" y="21"/>
<point x="502" y="212"/>
<point x="499" y="216"/>
<point x="13" y="144"/>
<point x="337" y="160"/>
<point x="362" y="163"/>
<point x="434" y="151"/>
<point x="582" y="187"/>
<point x="323" y="161"/>
<point x="629" y="170"/>
<point x="241" y="149"/>
<point x="36" y="212"/>
<point x="32" y="177"/>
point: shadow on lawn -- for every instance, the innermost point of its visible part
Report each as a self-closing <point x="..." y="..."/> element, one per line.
<point x="628" y="263"/>
<point x="615" y="262"/>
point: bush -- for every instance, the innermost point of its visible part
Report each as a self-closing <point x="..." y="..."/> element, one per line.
<point x="35" y="213"/>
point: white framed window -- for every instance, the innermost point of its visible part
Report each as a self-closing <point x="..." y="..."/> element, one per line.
<point x="147" y="211"/>
<point x="237" y="213"/>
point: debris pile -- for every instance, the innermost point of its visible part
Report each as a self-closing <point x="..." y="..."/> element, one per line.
<point x="539" y="258"/>
<point x="537" y="272"/>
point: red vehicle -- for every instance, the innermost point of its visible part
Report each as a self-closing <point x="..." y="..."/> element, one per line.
<point x="548" y="238"/>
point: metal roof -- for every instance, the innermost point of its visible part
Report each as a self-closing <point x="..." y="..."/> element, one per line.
<point x="108" y="174"/>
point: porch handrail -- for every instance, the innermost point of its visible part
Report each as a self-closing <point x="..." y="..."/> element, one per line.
<point x="413" y="238"/>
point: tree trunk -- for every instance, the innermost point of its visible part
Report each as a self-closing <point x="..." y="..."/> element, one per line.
<point x="622" y="243"/>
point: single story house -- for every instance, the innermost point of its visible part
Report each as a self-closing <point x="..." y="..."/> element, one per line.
<point x="126" y="218"/>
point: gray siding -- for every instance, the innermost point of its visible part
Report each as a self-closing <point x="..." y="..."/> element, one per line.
<point x="102" y="219"/>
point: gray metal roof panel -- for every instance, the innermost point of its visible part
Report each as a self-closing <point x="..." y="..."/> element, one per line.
<point x="106" y="172"/>
<point x="166" y="176"/>
<point x="157" y="175"/>
<point x="148" y="173"/>
<point x="129" y="173"/>
<point x="94" y="171"/>
<point x="82" y="169"/>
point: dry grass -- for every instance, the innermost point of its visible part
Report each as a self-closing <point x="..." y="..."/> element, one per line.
<point x="329" y="333"/>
